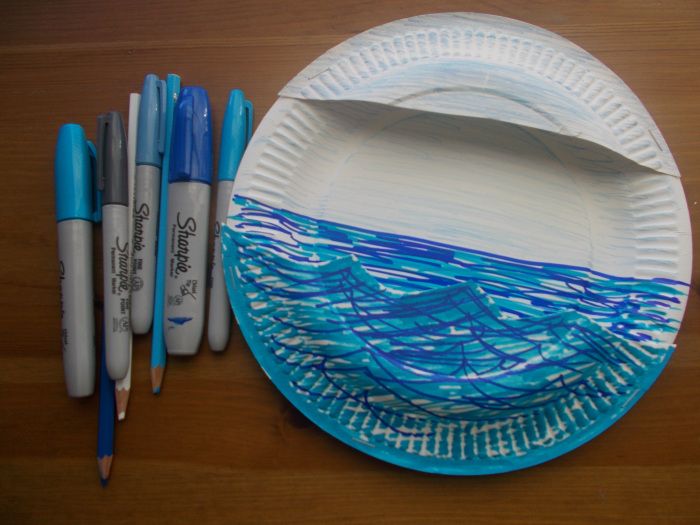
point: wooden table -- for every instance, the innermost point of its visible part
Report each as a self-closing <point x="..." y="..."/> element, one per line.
<point x="220" y="443"/>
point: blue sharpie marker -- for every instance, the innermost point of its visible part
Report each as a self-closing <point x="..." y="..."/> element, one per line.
<point x="189" y="192"/>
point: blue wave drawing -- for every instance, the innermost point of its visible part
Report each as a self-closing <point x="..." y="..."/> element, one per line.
<point x="442" y="352"/>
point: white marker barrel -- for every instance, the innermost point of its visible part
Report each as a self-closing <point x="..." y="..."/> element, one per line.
<point x="77" y="313"/>
<point x="115" y="261"/>
<point x="219" y="322"/>
<point x="185" y="286"/>
<point x="145" y="220"/>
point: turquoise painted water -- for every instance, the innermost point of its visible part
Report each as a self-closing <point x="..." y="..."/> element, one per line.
<point x="410" y="334"/>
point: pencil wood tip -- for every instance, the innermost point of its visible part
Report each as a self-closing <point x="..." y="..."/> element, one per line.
<point x="122" y="397"/>
<point x="156" y="378"/>
<point x="104" y="465"/>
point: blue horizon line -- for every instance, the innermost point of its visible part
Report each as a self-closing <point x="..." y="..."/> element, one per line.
<point x="660" y="280"/>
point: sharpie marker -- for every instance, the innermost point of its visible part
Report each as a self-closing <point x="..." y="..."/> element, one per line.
<point x="112" y="176"/>
<point x="189" y="192"/>
<point x="149" y="151"/>
<point x="77" y="207"/>
<point x="235" y="134"/>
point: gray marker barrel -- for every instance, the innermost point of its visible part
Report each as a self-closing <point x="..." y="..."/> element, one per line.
<point x="116" y="251"/>
<point x="75" y="212"/>
<point x="77" y="314"/>
<point x="219" y="323"/>
<point x="145" y="217"/>
<point x="185" y="284"/>
<point x="189" y="191"/>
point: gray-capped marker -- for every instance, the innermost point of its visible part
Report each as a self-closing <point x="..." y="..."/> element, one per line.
<point x="77" y="208"/>
<point x="149" y="157"/>
<point x="113" y="179"/>
<point x="235" y="135"/>
<point x="189" y="193"/>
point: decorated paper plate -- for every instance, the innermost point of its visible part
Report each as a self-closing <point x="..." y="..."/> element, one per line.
<point x="459" y="243"/>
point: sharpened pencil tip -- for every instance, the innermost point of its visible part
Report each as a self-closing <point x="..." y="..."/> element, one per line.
<point x="104" y="464"/>
<point x="122" y="397"/>
<point x="156" y="378"/>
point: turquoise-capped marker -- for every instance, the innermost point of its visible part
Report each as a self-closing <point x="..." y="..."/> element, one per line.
<point x="150" y="144"/>
<point x="77" y="207"/>
<point x="235" y="135"/>
<point x="158" y="352"/>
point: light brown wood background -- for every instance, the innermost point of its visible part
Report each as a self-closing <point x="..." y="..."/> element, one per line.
<point x="220" y="443"/>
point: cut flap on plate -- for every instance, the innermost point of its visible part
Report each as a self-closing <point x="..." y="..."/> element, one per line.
<point x="489" y="67"/>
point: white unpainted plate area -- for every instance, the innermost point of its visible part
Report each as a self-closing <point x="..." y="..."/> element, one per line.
<point x="481" y="132"/>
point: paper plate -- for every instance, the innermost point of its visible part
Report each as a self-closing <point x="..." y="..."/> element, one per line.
<point x="459" y="243"/>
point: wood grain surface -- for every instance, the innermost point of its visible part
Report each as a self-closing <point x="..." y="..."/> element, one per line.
<point x="220" y="444"/>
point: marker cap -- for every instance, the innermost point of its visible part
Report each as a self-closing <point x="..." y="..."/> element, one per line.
<point x="111" y="159"/>
<point x="235" y="133"/>
<point x="191" y="153"/>
<point x="76" y="195"/>
<point x="151" y="129"/>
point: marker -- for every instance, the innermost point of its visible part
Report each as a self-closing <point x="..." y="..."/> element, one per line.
<point x="189" y="192"/>
<point x="112" y="176"/>
<point x="77" y="207"/>
<point x="149" y="150"/>
<point x="235" y="135"/>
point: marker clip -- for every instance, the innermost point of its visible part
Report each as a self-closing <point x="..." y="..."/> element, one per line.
<point x="162" y="94"/>
<point x="248" y="105"/>
<point x="96" y="191"/>
<point x="102" y="125"/>
<point x="111" y="159"/>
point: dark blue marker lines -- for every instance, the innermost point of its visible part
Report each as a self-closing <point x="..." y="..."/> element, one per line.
<point x="417" y="333"/>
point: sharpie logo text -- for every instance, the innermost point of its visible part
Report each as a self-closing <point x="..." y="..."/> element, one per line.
<point x="184" y="231"/>
<point x="122" y="265"/>
<point x="141" y="215"/>
<point x="61" y="276"/>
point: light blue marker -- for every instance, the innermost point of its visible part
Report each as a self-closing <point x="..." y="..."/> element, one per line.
<point x="235" y="135"/>
<point x="149" y="156"/>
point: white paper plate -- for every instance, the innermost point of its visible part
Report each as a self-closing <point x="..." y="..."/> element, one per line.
<point x="459" y="243"/>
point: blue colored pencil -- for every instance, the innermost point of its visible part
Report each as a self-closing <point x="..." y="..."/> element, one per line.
<point x="105" y="424"/>
<point x="158" y="353"/>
